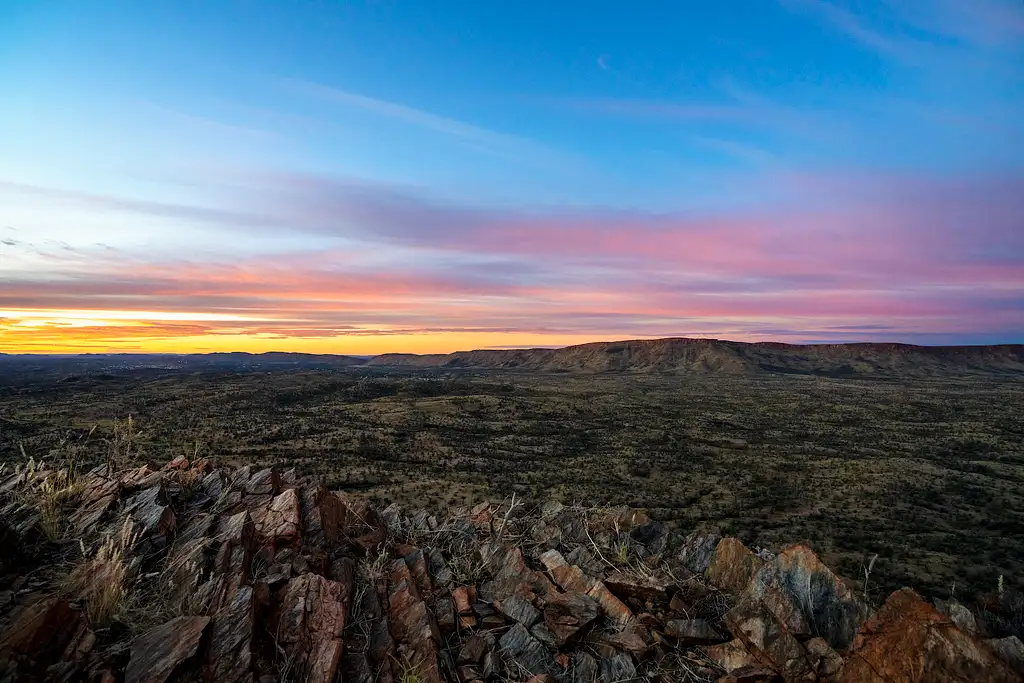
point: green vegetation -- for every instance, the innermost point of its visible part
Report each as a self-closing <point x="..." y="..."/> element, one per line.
<point x="927" y="474"/>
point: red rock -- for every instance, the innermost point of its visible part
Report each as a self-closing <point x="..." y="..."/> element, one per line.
<point x="313" y="615"/>
<point x="179" y="463"/>
<point x="412" y="625"/>
<point x="42" y="631"/>
<point x="733" y="566"/>
<point x="632" y="640"/>
<point x="909" y="641"/>
<point x="543" y="678"/>
<point x="625" y="585"/>
<point x="464" y="597"/>
<point x="566" y="614"/>
<point x="768" y="640"/>
<point x="277" y="523"/>
<point x="156" y="654"/>
<point x="751" y="674"/>
<point x="824" y="660"/>
<point x="730" y="656"/>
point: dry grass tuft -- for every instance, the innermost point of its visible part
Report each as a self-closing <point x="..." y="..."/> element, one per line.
<point x="103" y="581"/>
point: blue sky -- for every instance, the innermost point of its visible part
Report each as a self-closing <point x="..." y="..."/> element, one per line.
<point x="404" y="175"/>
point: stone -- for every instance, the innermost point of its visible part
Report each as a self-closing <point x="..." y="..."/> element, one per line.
<point x="730" y="656"/>
<point x="649" y="588"/>
<point x="543" y="678"/>
<point x="960" y="614"/>
<point x="464" y="597"/>
<point x="417" y="563"/>
<point x="513" y="577"/>
<point x="41" y="632"/>
<point x="475" y="647"/>
<point x="753" y="623"/>
<point x="654" y="536"/>
<point x="751" y="674"/>
<point x="566" y="614"/>
<point x="412" y="625"/>
<point x="528" y="654"/>
<point x="631" y="641"/>
<point x="618" y="669"/>
<point x="156" y="654"/>
<point x="518" y="609"/>
<point x="1010" y="650"/>
<point x="584" y="669"/>
<point x="824" y="660"/>
<point x="697" y="551"/>
<point x="231" y="634"/>
<point x="179" y="463"/>
<point x="830" y="608"/>
<point x="277" y="523"/>
<point x="263" y="483"/>
<point x="444" y="614"/>
<point x="909" y="641"/>
<point x="689" y="632"/>
<point x="733" y="566"/>
<point x="542" y="633"/>
<point x="314" y="611"/>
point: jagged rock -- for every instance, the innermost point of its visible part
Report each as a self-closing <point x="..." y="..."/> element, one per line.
<point x="543" y="678"/>
<point x="690" y="632"/>
<point x="584" y="669"/>
<point x="585" y="560"/>
<point x="960" y="614"/>
<point x="730" y="656"/>
<point x="277" y="523"/>
<point x="518" y="609"/>
<point x="355" y="668"/>
<point x="751" y="674"/>
<point x="42" y="631"/>
<point x="647" y="588"/>
<point x="909" y="640"/>
<point x="212" y="485"/>
<point x="99" y="495"/>
<point x="526" y="651"/>
<point x="830" y="608"/>
<point x="654" y="536"/>
<point x="178" y="463"/>
<point x="263" y="483"/>
<point x="513" y="577"/>
<point x="733" y="566"/>
<point x="475" y="647"/>
<point x="632" y="641"/>
<point x="1010" y="650"/>
<point x="421" y="574"/>
<point x="572" y="579"/>
<point x="231" y="634"/>
<point x="151" y="513"/>
<point x="541" y="632"/>
<point x="697" y="551"/>
<point x="314" y="611"/>
<point x="412" y="624"/>
<point x="567" y="613"/>
<point x="824" y="660"/>
<point x="156" y="654"/>
<point x="464" y="597"/>
<point x="618" y="669"/>
<point x="444" y="614"/>
<point x="753" y="623"/>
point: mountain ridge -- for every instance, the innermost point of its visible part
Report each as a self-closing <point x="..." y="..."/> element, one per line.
<point x="682" y="354"/>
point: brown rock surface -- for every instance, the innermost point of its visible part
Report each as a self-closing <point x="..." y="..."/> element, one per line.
<point x="156" y="654"/>
<point x="909" y="641"/>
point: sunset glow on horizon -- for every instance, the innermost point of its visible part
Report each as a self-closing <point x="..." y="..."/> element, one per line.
<point x="337" y="178"/>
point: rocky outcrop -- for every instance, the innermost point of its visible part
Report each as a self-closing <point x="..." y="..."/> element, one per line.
<point x="244" y="576"/>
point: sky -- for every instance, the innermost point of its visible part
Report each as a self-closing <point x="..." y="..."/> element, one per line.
<point x="383" y="175"/>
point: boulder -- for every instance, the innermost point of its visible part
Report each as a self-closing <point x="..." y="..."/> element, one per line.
<point x="960" y="614"/>
<point x="909" y="641"/>
<point x="629" y="586"/>
<point x="156" y="654"/>
<point x="40" y="633"/>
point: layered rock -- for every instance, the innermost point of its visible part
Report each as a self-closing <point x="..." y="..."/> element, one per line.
<point x="251" y="576"/>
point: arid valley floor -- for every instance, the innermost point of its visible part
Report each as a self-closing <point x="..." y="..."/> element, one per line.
<point x="926" y="473"/>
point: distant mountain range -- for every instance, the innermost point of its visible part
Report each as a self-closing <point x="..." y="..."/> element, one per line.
<point x="676" y="355"/>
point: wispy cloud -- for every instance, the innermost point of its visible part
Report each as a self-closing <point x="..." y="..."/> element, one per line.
<point x="509" y="146"/>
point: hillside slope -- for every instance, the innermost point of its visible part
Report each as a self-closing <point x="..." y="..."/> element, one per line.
<point x="716" y="356"/>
